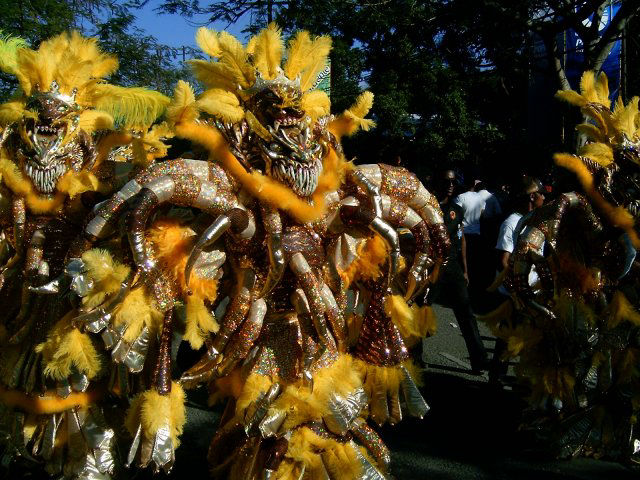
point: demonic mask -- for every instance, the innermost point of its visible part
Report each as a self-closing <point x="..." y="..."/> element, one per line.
<point x="47" y="138"/>
<point x="293" y="152"/>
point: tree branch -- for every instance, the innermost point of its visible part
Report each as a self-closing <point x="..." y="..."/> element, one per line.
<point x="602" y="49"/>
<point x="555" y="61"/>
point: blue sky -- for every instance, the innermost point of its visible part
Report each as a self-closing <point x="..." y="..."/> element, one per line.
<point x="174" y="30"/>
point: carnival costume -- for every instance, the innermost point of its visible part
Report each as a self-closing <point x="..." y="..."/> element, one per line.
<point x="277" y="258"/>
<point x="578" y="336"/>
<point x="68" y="141"/>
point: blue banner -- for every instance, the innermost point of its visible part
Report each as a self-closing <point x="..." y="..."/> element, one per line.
<point x="574" y="57"/>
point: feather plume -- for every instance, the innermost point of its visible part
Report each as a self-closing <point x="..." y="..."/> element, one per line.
<point x="67" y="348"/>
<point x="134" y="106"/>
<point x="207" y="40"/>
<point x="183" y="106"/>
<point x="592" y="132"/>
<point x="598" y="152"/>
<point x="11" y="112"/>
<point x="298" y="54"/>
<point x="624" y="118"/>
<point x="93" y="120"/>
<point x="251" y="45"/>
<point x="213" y="75"/>
<point x="571" y="97"/>
<point x="317" y="61"/>
<point x="234" y="58"/>
<point x="8" y="52"/>
<point x="154" y="411"/>
<point x="268" y="51"/>
<point x="602" y="88"/>
<point x="588" y="87"/>
<point x="316" y="104"/>
<point x="222" y="104"/>
<point x="353" y="118"/>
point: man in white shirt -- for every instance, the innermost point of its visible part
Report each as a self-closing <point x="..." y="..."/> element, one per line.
<point x="530" y="196"/>
<point x="479" y="253"/>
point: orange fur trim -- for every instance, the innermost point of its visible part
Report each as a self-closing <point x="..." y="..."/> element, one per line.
<point x="108" y="143"/>
<point x="372" y="255"/>
<point x="263" y="187"/>
<point x="172" y="243"/>
<point x="48" y="403"/>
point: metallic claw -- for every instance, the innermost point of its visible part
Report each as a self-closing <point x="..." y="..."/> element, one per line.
<point x="97" y="319"/>
<point x="210" y="235"/>
<point x="202" y="371"/>
<point x="417" y="278"/>
<point x="50" y="288"/>
<point x="277" y="264"/>
<point x="390" y="236"/>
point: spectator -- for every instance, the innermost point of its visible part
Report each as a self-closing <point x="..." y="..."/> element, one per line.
<point x="529" y="194"/>
<point x="473" y="204"/>
<point x="451" y="287"/>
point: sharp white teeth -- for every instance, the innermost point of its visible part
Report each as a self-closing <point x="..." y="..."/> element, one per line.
<point x="276" y="125"/>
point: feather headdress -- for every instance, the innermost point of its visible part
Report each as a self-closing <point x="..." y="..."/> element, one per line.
<point x="73" y="68"/>
<point x="236" y="71"/>
<point x="611" y="134"/>
<point x="233" y="75"/>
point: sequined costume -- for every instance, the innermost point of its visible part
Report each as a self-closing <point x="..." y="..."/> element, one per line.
<point x="60" y="154"/>
<point x="276" y="257"/>
<point x="578" y="336"/>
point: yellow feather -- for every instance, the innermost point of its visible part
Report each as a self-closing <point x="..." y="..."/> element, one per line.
<point x="592" y="132"/>
<point x="588" y="87"/>
<point x="73" y="184"/>
<point x="298" y="54"/>
<point x="602" y="89"/>
<point x="183" y="105"/>
<point x="93" y="120"/>
<point x="598" y="152"/>
<point x="624" y="118"/>
<point x="136" y="311"/>
<point x="222" y="104"/>
<point x="316" y="104"/>
<point x="200" y="323"/>
<point x="268" y="51"/>
<point x="106" y="273"/>
<point x="153" y="411"/>
<point x="11" y="111"/>
<point x="234" y="58"/>
<point x="571" y="97"/>
<point x="130" y="107"/>
<point x="9" y="46"/>
<point x="320" y="49"/>
<point x="207" y="40"/>
<point x="213" y="75"/>
<point x="353" y="119"/>
<point x="67" y="348"/>
<point x="621" y="309"/>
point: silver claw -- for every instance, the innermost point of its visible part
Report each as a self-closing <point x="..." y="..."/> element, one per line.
<point x="210" y="235"/>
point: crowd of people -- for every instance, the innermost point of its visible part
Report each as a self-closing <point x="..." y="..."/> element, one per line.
<point x="483" y="226"/>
